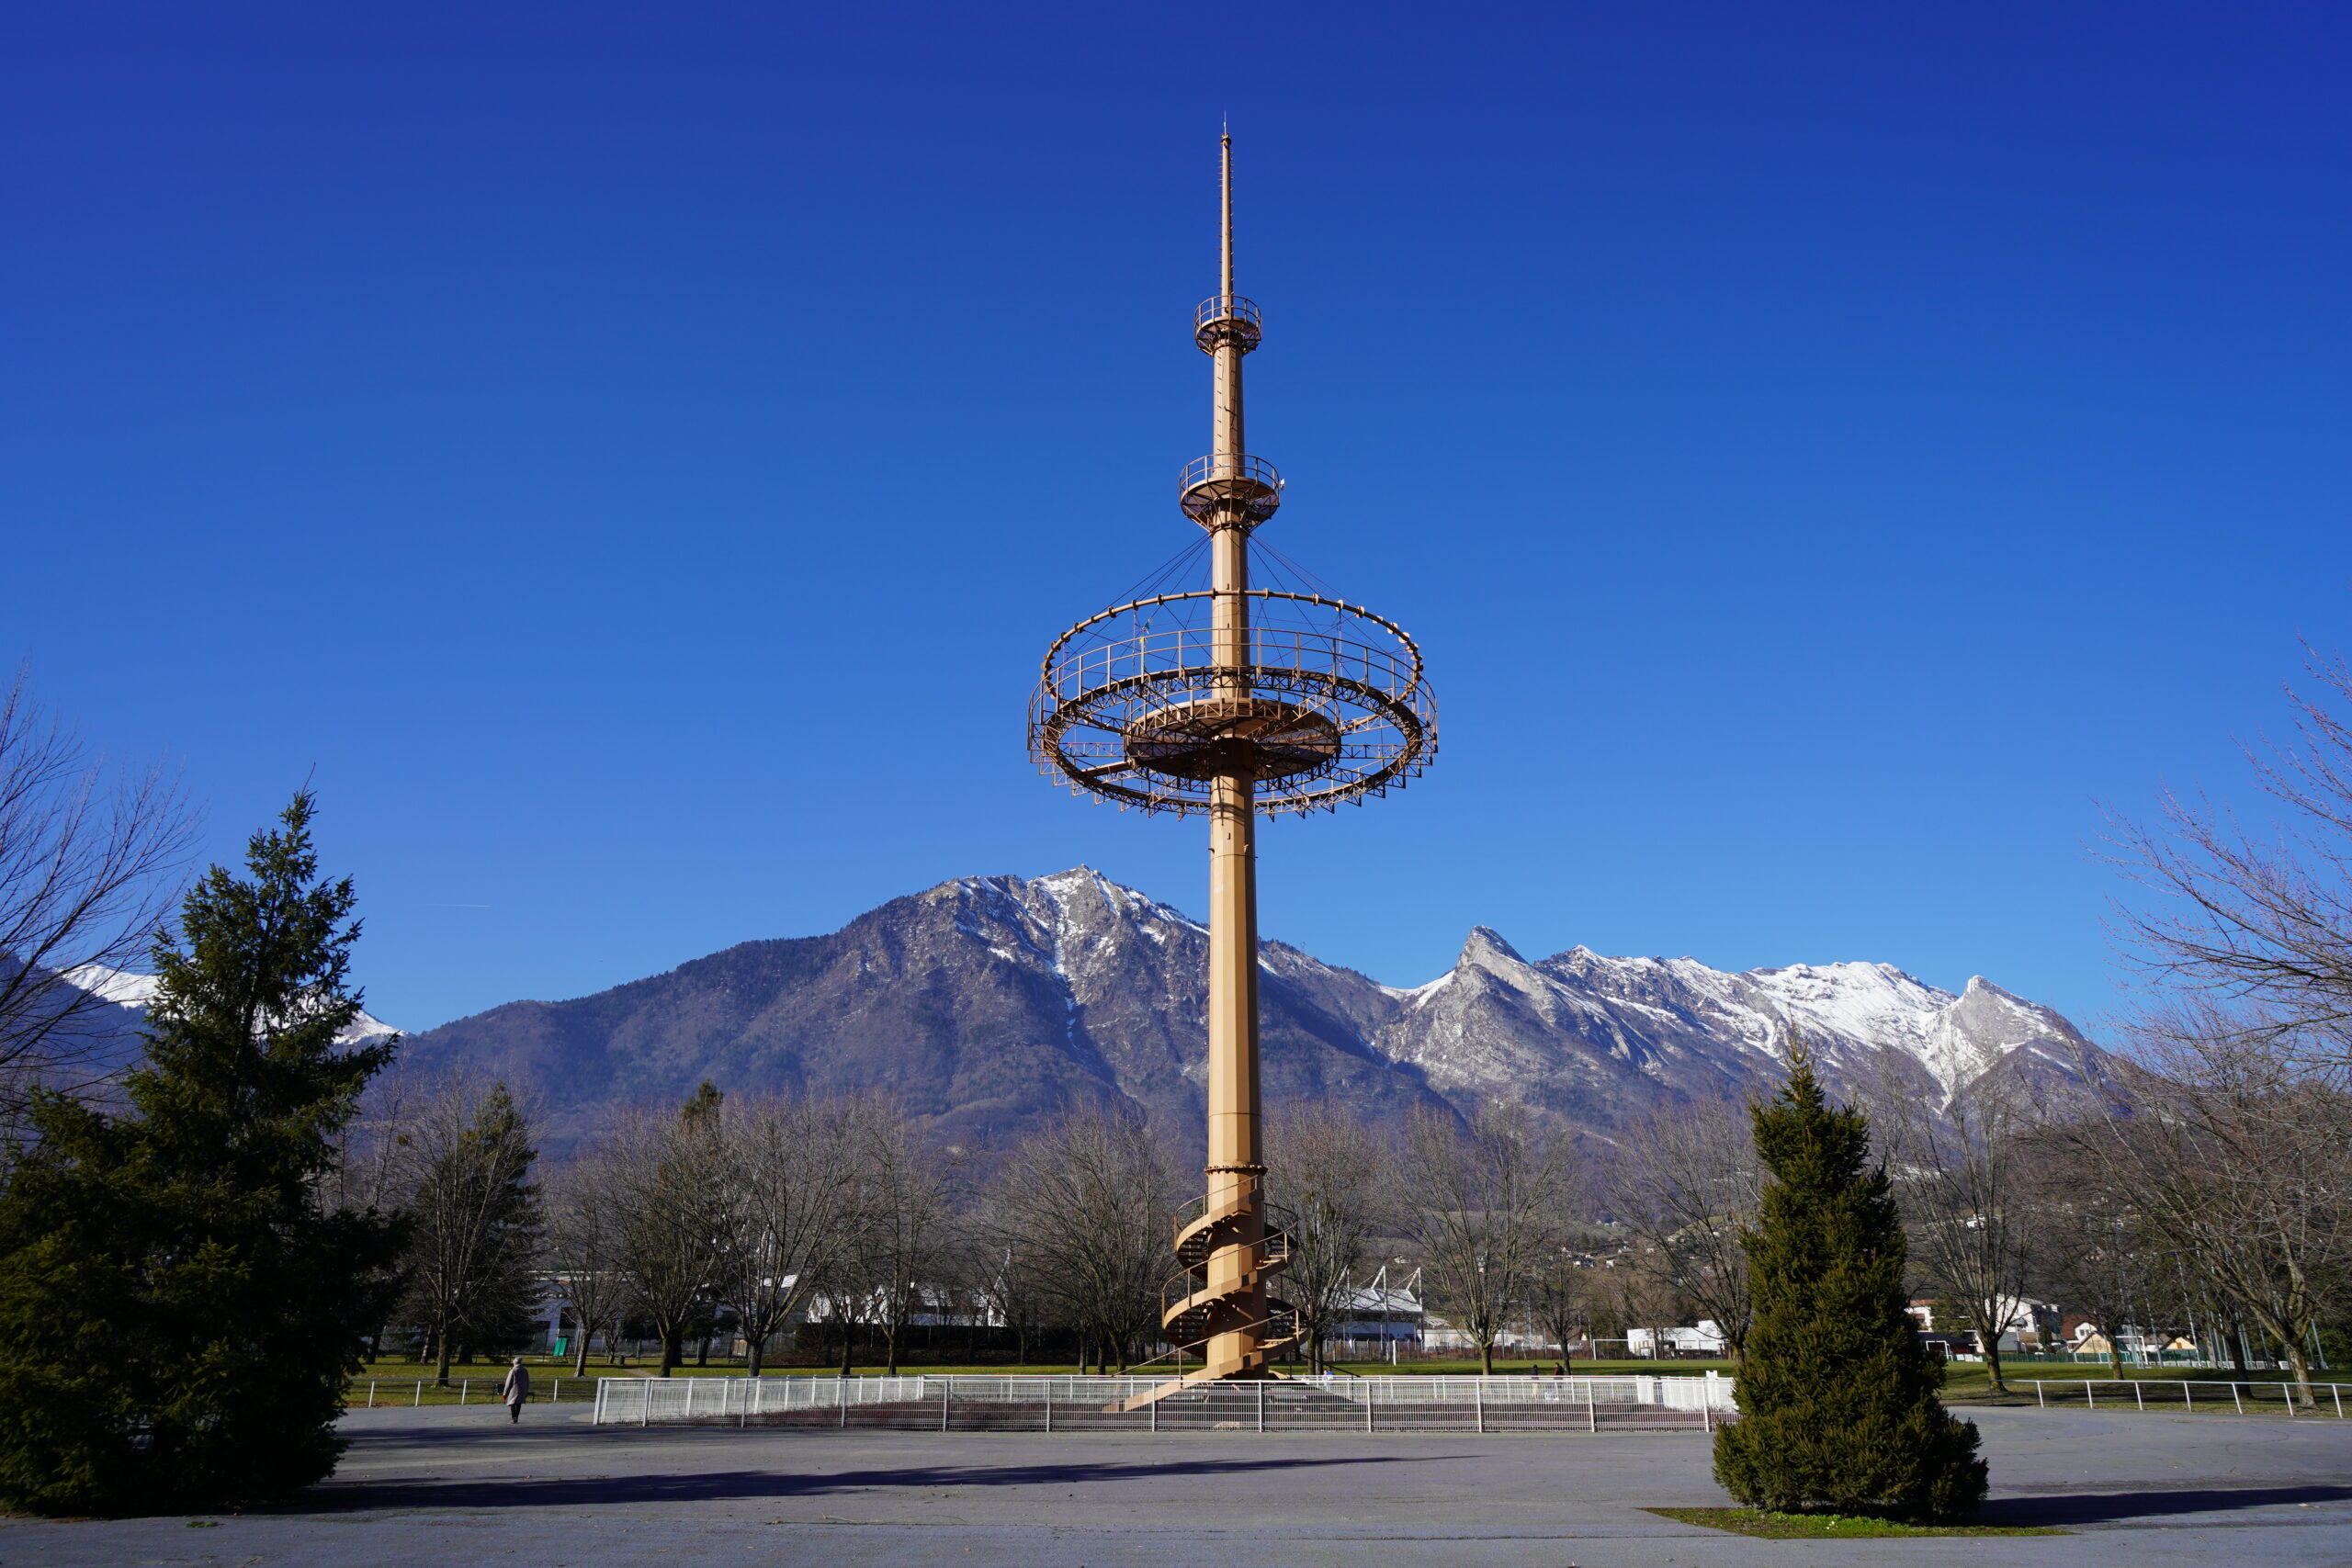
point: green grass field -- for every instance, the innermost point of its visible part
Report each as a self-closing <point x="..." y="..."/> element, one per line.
<point x="1826" y="1527"/>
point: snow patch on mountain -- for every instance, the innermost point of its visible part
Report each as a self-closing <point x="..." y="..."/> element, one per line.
<point x="125" y="990"/>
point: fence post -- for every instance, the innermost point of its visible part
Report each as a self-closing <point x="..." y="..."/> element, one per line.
<point x="2241" y="1403"/>
<point x="1155" y="1416"/>
<point x="1262" y="1406"/>
<point x="463" y="1385"/>
<point x="2138" y="1394"/>
<point x="1049" y="1405"/>
<point x="371" y="1395"/>
<point x="841" y="1392"/>
<point x="2339" y="1399"/>
<point x="2188" y="1400"/>
<point x="1592" y="1409"/>
<point x="420" y="1391"/>
<point x="1706" y="1412"/>
<point x="2037" y="1397"/>
<point x="2088" y="1397"/>
<point x="947" y="1392"/>
<point x="1372" y="1391"/>
<point x="1478" y="1394"/>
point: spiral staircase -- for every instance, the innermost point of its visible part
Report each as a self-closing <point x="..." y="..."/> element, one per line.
<point x="1218" y="1307"/>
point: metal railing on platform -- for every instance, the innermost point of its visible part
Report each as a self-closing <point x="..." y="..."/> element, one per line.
<point x="1079" y="1403"/>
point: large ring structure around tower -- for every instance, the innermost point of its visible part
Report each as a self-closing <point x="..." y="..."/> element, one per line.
<point x="1318" y="714"/>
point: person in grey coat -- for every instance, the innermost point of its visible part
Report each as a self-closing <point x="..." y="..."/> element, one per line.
<point x="517" y="1390"/>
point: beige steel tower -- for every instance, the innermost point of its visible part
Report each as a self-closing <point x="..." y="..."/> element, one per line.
<point x="1232" y="702"/>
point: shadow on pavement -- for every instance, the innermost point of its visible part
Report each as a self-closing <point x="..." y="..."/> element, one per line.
<point x="2096" y="1507"/>
<point x="572" y="1492"/>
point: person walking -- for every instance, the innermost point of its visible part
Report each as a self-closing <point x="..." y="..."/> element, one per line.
<point x="517" y="1390"/>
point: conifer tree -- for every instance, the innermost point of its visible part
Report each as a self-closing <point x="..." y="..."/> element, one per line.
<point x="1837" y="1397"/>
<point x="178" y="1307"/>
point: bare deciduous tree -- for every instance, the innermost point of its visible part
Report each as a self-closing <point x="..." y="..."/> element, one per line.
<point x="1962" y="1180"/>
<point x="2235" y="1138"/>
<point x="586" y="1227"/>
<point x="900" y="1241"/>
<point x="2095" y="1248"/>
<point x="1684" y="1183"/>
<point x="474" y="1221"/>
<point x="995" y="1264"/>
<point x="1481" y="1205"/>
<point x="89" y="865"/>
<point x="1086" y="1206"/>
<point x="1560" y="1298"/>
<point x="668" y="1186"/>
<point x="1334" y="1177"/>
<point x="789" y="1206"/>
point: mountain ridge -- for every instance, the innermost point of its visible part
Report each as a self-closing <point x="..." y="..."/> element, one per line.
<point x="992" y="1004"/>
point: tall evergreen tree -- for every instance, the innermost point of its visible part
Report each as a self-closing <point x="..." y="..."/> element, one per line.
<point x="1837" y="1397"/>
<point x="178" y="1306"/>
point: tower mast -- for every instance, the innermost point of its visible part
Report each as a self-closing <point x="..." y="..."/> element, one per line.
<point x="1282" y="701"/>
<point x="1237" y="1170"/>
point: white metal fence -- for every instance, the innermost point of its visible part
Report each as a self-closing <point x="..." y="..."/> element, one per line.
<point x="1329" y="1403"/>
<point x="2167" y="1393"/>
<point x="369" y="1394"/>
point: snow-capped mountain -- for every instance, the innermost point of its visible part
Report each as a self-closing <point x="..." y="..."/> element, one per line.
<point x="132" y="993"/>
<point x="991" y="1003"/>
<point x="1595" y="1038"/>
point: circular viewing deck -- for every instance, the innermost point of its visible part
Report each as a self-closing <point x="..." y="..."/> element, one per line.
<point x="1316" y="702"/>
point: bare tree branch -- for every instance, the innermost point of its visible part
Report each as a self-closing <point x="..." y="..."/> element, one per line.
<point x="1684" y="1183"/>
<point x="2265" y="919"/>
<point x="90" y="863"/>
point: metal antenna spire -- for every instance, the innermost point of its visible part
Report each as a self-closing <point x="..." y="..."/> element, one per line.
<point x="1225" y="173"/>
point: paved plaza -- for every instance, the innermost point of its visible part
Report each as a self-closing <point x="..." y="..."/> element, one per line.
<point x="454" y="1485"/>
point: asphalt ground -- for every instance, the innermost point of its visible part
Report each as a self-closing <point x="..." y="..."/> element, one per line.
<point x="462" y="1486"/>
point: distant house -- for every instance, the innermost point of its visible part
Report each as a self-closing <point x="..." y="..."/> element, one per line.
<point x="2085" y="1338"/>
<point x="1704" y="1338"/>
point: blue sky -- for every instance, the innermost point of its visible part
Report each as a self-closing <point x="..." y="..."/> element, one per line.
<point x="634" y="456"/>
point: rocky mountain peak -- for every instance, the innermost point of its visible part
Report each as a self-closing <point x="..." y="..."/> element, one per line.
<point x="1485" y="949"/>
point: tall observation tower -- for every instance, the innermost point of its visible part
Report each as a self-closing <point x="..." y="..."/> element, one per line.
<point x="1232" y="702"/>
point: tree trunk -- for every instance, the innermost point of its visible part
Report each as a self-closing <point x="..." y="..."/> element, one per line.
<point x="1487" y="1356"/>
<point x="579" y="1364"/>
<point x="441" y="1357"/>
<point x="848" y="1335"/>
<point x="1992" y="1344"/>
<point x="674" y="1348"/>
<point x="753" y="1344"/>
<point x="2296" y="1358"/>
